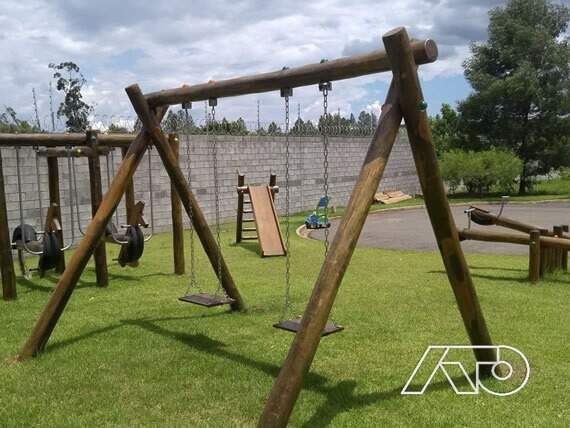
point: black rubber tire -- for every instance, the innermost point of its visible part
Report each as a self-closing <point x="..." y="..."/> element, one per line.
<point x="51" y="252"/>
<point x="133" y="250"/>
<point x="29" y="234"/>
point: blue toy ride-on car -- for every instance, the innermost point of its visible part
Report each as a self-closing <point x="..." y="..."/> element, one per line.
<point x="319" y="218"/>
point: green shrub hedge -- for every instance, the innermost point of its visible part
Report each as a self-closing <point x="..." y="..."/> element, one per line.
<point x="481" y="172"/>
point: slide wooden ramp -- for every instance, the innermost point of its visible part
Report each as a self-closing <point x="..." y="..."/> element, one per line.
<point x="266" y="221"/>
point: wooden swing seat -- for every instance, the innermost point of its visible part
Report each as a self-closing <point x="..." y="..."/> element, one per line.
<point x="293" y="326"/>
<point x="207" y="300"/>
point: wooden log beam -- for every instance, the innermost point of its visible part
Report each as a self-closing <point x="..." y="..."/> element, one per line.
<point x="55" y="203"/>
<point x="76" y="152"/>
<point x="9" y="291"/>
<point x="424" y="51"/>
<point x="95" y="231"/>
<point x="96" y="191"/>
<point x="512" y="238"/>
<point x="63" y="140"/>
<point x="413" y="108"/>
<point x="177" y="223"/>
<point x="290" y="379"/>
<point x="152" y="128"/>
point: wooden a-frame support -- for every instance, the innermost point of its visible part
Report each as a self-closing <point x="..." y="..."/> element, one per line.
<point x="95" y="231"/>
<point x="404" y="100"/>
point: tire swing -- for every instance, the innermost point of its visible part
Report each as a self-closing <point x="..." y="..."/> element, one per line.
<point x="194" y="294"/>
<point x="45" y="244"/>
<point x="132" y="241"/>
<point x="285" y="323"/>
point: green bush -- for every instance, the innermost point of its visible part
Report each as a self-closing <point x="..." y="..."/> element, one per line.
<point x="565" y="173"/>
<point x="480" y="172"/>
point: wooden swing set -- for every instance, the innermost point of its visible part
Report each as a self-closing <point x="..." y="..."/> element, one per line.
<point x="404" y="101"/>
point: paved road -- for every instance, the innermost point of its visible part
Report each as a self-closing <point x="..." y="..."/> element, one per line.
<point x="410" y="229"/>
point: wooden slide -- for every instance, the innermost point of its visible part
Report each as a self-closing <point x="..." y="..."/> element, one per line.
<point x="266" y="221"/>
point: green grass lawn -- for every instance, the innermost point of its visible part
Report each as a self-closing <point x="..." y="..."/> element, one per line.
<point x="133" y="355"/>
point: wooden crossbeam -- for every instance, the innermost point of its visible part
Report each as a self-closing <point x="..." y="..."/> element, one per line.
<point x="63" y="140"/>
<point x="424" y="51"/>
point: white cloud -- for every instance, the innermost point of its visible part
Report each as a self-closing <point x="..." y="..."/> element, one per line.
<point x="166" y="44"/>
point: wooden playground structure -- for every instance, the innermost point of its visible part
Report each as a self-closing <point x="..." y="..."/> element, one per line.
<point x="261" y="213"/>
<point x="404" y="100"/>
<point x="92" y="146"/>
<point x="548" y="249"/>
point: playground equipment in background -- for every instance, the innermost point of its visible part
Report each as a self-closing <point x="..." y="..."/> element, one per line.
<point x="319" y="218"/>
<point x="261" y="214"/>
<point x="48" y="243"/>
<point x="404" y="101"/>
<point x="394" y="197"/>
<point x="548" y="250"/>
<point x="132" y="240"/>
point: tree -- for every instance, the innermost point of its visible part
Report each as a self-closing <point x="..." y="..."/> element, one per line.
<point x="444" y="129"/>
<point x="273" y="129"/>
<point x="73" y="108"/>
<point x="117" y="129"/>
<point x="10" y="123"/>
<point x="521" y="82"/>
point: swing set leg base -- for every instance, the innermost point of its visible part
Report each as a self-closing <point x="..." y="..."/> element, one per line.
<point x="294" y="325"/>
<point x="207" y="300"/>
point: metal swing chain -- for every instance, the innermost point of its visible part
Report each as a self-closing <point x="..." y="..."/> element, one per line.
<point x="38" y="178"/>
<point x="287" y="303"/>
<point x="217" y="197"/>
<point x="21" y="205"/>
<point x="193" y="283"/>
<point x="325" y="89"/>
<point x="111" y="171"/>
<point x="76" y="197"/>
<point x="71" y="210"/>
<point x="151" y="197"/>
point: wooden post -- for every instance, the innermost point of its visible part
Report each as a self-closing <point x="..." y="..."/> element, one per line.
<point x="152" y="128"/>
<point x="413" y="109"/>
<point x="177" y="224"/>
<point x="272" y="184"/>
<point x="96" y="188"/>
<point x="55" y="202"/>
<point x="290" y="379"/>
<point x="93" y="234"/>
<point x="239" y="217"/>
<point x="129" y="195"/>
<point x="565" y="252"/>
<point x="558" y="252"/>
<point x="6" y="260"/>
<point x="534" y="256"/>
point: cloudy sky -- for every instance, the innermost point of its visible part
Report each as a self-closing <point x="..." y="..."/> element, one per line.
<point x="164" y="44"/>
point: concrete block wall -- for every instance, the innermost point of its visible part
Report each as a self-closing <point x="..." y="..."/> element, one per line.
<point x="255" y="156"/>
